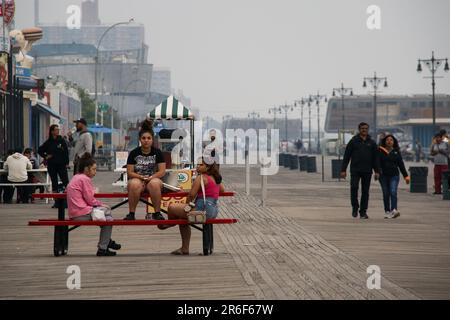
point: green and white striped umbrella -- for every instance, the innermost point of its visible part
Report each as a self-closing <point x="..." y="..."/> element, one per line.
<point x="171" y="109"/>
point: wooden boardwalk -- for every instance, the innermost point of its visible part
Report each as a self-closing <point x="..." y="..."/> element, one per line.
<point x="304" y="250"/>
<point x="412" y="251"/>
<point x="281" y="260"/>
<point x="143" y="269"/>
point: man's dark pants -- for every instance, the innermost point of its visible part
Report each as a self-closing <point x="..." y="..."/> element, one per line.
<point x="365" y="186"/>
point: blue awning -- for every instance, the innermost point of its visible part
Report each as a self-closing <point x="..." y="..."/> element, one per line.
<point x="96" y="129"/>
<point x="46" y="108"/>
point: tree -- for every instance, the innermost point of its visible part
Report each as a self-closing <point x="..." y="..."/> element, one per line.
<point x="87" y="106"/>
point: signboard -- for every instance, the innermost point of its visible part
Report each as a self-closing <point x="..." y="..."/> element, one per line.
<point x="103" y="107"/>
<point x="10" y="8"/>
<point x="184" y="179"/>
<point x="121" y="158"/>
<point x="23" y="72"/>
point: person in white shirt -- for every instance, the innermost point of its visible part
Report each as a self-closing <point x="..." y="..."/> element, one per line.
<point x="17" y="166"/>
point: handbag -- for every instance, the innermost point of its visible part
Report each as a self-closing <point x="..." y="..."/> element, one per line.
<point x="197" y="216"/>
<point x="98" y="214"/>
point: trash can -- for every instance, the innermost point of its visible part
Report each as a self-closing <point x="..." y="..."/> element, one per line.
<point x="446" y="185"/>
<point x="336" y="166"/>
<point x="303" y="161"/>
<point x="287" y="160"/>
<point x="294" y="162"/>
<point x="312" y="167"/>
<point x="419" y="177"/>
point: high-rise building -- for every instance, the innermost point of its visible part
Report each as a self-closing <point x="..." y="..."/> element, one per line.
<point x="123" y="40"/>
<point x="161" y="81"/>
<point x="89" y="13"/>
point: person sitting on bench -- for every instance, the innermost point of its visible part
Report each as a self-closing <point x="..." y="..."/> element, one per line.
<point x="17" y="166"/>
<point x="81" y="203"/>
<point x="145" y="169"/>
<point x="208" y="170"/>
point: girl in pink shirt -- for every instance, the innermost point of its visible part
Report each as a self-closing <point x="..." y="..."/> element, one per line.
<point x="81" y="202"/>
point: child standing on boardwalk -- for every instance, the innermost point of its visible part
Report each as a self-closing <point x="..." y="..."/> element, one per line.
<point x="81" y="203"/>
<point x="390" y="163"/>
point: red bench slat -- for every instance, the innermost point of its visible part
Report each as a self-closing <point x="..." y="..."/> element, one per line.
<point x="121" y="195"/>
<point x="49" y="222"/>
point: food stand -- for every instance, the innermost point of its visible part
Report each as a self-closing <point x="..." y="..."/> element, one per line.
<point x="179" y="173"/>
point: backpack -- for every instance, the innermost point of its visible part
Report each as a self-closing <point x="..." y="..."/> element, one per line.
<point x="93" y="142"/>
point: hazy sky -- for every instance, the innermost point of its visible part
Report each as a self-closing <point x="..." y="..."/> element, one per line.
<point x="236" y="56"/>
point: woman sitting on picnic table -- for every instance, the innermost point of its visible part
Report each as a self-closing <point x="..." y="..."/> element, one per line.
<point x="81" y="203"/>
<point x="145" y="169"/>
<point x="209" y="172"/>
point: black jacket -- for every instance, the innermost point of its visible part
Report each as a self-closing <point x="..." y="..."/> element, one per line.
<point x="390" y="162"/>
<point x="57" y="148"/>
<point x="363" y="154"/>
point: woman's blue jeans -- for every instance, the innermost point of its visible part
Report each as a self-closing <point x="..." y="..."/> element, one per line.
<point x="389" y="185"/>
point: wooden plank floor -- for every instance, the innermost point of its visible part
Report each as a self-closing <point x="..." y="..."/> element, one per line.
<point x="304" y="246"/>
<point x="412" y="251"/>
<point x="143" y="269"/>
<point x="282" y="260"/>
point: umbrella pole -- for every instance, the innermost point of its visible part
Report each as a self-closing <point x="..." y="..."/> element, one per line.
<point x="192" y="144"/>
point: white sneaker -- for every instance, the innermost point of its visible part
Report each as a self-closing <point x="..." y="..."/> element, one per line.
<point x="395" y="213"/>
<point x="388" y="215"/>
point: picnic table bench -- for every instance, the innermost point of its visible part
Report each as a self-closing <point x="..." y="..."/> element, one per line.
<point x="61" y="225"/>
<point x="47" y="184"/>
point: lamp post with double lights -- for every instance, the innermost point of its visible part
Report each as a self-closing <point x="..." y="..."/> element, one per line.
<point x="286" y="109"/>
<point x="342" y="91"/>
<point x="375" y="82"/>
<point x="433" y="65"/>
<point x="301" y="103"/>
<point x="318" y="98"/>
<point x="97" y="60"/>
<point x="274" y="111"/>
<point x="254" y="115"/>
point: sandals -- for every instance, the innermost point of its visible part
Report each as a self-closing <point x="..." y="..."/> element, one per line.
<point x="178" y="252"/>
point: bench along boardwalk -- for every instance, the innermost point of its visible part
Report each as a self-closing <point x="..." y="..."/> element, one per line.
<point x="61" y="234"/>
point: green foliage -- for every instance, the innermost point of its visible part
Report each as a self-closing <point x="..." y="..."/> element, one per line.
<point x="88" y="109"/>
<point x="87" y="106"/>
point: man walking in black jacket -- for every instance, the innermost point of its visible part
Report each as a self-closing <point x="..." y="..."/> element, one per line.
<point x="362" y="151"/>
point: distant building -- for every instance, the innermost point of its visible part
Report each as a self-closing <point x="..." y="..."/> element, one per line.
<point x="65" y="101"/>
<point x="125" y="86"/>
<point x="89" y="13"/>
<point x="412" y="113"/>
<point x="161" y="81"/>
<point x="123" y="41"/>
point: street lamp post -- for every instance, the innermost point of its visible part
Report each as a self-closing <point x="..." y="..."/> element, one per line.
<point x="254" y="115"/>
<point x="375" y="82"/>
<point x="96" y="60"/>
<point x="285" y="108"/>
<point x="433" y="64"/>
<point x="342" y="91"/>
<point x="274" y="110"/>
<point x="302" y="103"/>
<point x="318" y="97"/>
